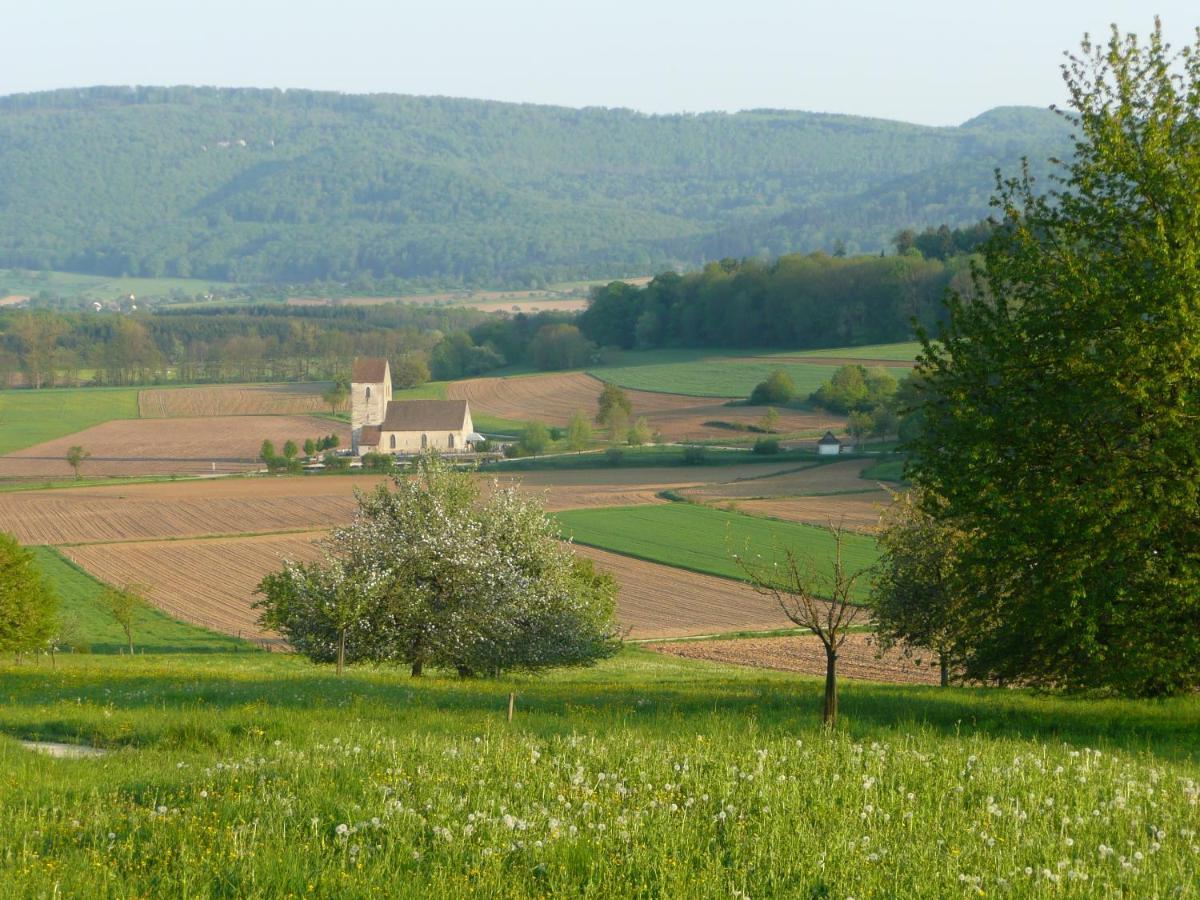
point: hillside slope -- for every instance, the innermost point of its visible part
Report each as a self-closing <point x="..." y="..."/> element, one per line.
<point x="260" y="185"/>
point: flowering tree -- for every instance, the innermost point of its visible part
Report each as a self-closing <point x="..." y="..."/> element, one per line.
<point x="428" y="574"/>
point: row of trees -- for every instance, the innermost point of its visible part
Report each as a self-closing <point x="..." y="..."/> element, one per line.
<point x="795" y="301"/>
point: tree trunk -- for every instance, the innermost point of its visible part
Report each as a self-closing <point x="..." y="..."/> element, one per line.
<point x="341" y="661"/>
<point x="944" y="664"/>
<point x="830" y="711"/>
<point x="417" y="666"/>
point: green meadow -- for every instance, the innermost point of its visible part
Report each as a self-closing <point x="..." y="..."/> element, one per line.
<point x="704" y="539"/>
<point x="88" y="625"/>
<point x="733" y="374"/>
<point x="30" y="417"/>
<point x="258" y="775"/>
<point x="75" y="286"/>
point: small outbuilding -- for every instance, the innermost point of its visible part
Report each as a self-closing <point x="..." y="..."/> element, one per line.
<point x="829" y="445"/>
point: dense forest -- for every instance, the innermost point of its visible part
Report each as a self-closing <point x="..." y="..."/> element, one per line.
<point x="796" y="301"/>
<point x="258" y="186"/>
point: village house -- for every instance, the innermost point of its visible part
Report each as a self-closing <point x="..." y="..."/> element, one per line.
<point x="829" y="445"/>
<point x="379" y="424"/>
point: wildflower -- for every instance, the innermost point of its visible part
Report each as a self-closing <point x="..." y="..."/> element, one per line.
<point x="342" y="830"/>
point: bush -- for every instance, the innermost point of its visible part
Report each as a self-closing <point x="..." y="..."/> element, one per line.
<point x="694" y="455"/>
<point x="614" y="455"/>
<point x="766" y="446"/>
<point x="778" y="388"/>
<point x="379" y="462"/>
<point x="335" y="463"/>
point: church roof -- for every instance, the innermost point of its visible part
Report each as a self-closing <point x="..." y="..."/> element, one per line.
<point x="369" y="370"/>
<point x="425" y="415"/>
<point x="829" y="439"/>
<point x="369" y="437"/>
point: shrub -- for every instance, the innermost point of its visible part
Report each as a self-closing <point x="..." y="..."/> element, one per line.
<point x="614" y="455"/>
<point x="694" y="455"/>
<point x="766" y="446"/>
<point x="379" y="462"/>
<point x="778" y="388"/>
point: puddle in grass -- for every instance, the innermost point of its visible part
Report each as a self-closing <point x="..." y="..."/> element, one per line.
<point x="63" y="751"/>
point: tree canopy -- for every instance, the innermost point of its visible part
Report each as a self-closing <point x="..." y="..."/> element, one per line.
<point x="1059" y="430"/>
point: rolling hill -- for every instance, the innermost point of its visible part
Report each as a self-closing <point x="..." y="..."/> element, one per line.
<point x="256" y="185"/>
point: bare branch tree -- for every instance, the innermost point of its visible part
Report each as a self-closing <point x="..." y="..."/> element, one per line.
<point x="821" y="603"/>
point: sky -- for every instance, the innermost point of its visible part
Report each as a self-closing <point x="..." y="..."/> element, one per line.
<point x="930" y="61"/>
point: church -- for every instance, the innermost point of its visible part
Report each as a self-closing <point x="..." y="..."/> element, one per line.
<point x="379" y="424"/>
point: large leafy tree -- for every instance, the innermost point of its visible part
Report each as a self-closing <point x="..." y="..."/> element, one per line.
<point x="28" y="606"/>
<point x="430" y="574"/>
<point x="1062" y="428"/>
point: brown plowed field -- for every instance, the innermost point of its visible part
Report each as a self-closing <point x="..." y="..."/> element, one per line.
<point x="207" y="582"/>
<point x="805" y="654"/>
<point x="554" y="398"/>
<point x="654" y="600"/>
<point x="257" y="400"/>
<point x="813" y="479"/>
<point x="249" y="505"/>
<point x="175" y="510"/>
<point x="661" y="601"/>
<point x="169" y="446"/>
<point x="858" y="512"/>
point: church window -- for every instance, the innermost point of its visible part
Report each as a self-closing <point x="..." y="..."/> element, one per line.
<point x="451" y="442"/>
<point x="392" y="443"/>
<point x="424" y="441"/>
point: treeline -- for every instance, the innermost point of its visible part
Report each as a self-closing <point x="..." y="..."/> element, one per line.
<point x="271" y="343"/>
<point x="796" y="301"/>
<point x="260" y="186"/>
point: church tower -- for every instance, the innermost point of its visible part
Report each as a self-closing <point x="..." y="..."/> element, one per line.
<point x="370" y="391"/>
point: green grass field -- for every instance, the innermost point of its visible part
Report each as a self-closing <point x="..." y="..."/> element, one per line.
<point x="30" y="417"/>
<point x="885" y="470"/>
<point x="703" y="539"/>
<point x="97" y="287"/>
<point x="732" y="373"/>
<point x="649" y="455"/>
<point x="88" y="623"/>
<point x="257" y="775"/>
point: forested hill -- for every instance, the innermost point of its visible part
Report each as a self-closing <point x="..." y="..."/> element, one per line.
<point x="260" y="185"/>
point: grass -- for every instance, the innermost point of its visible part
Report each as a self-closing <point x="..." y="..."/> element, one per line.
<point x="260" y="776"/>
<point x="886" y="470"/>
<point x="29" y="417"/>
<point x="731" y="373"/>
<point x="72" y="285"/>
<point x="703" y="539"/>
<point x="89" y="624"/>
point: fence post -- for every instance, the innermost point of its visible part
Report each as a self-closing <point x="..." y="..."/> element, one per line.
<point x="512" y="699"/>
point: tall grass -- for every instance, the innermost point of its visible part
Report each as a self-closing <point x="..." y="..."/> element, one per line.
<point x="260" y="776"/>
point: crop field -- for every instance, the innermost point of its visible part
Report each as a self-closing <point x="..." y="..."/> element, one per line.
<point x="858" y="658"/>
<point x="208" y="582"/>
<point x="654" y="601"/>
<point x="233" y="400"/>
<point x="168" y="446"/>
<point x="88" y="625"/>
<point x="180" y="509"/>
<point x="815" y="478"/>
<point x="734" y="375"/>
<point x="552" y="399"/>
<point x="98" y="287"/>
<point x="856" y="512"/>
<point x="28" y="418"/>
<point x="703" y="539"/>
<point x="257" y="775"/>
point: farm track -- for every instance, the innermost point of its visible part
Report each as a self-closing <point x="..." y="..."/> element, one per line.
<point x="553" y="399"/>
<point x="822" y="479"/>
<point x="857" y="658"/>
<point x="253" y="400"/>
<point x="196" y="446"/>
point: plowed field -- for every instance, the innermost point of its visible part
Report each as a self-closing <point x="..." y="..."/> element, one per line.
<point x="168" y="446"/>
<point x="815" y="479"/>
<point x="252" y="400"/>
<point x="805" y="654"/>
<point x="858" y="512"/>
<point x="206" y="582"/>
<point x="654" y="601"/>
<point x="554" y="398"/>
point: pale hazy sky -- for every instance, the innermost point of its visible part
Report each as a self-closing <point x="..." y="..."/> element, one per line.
<point x="929" y="61"/>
